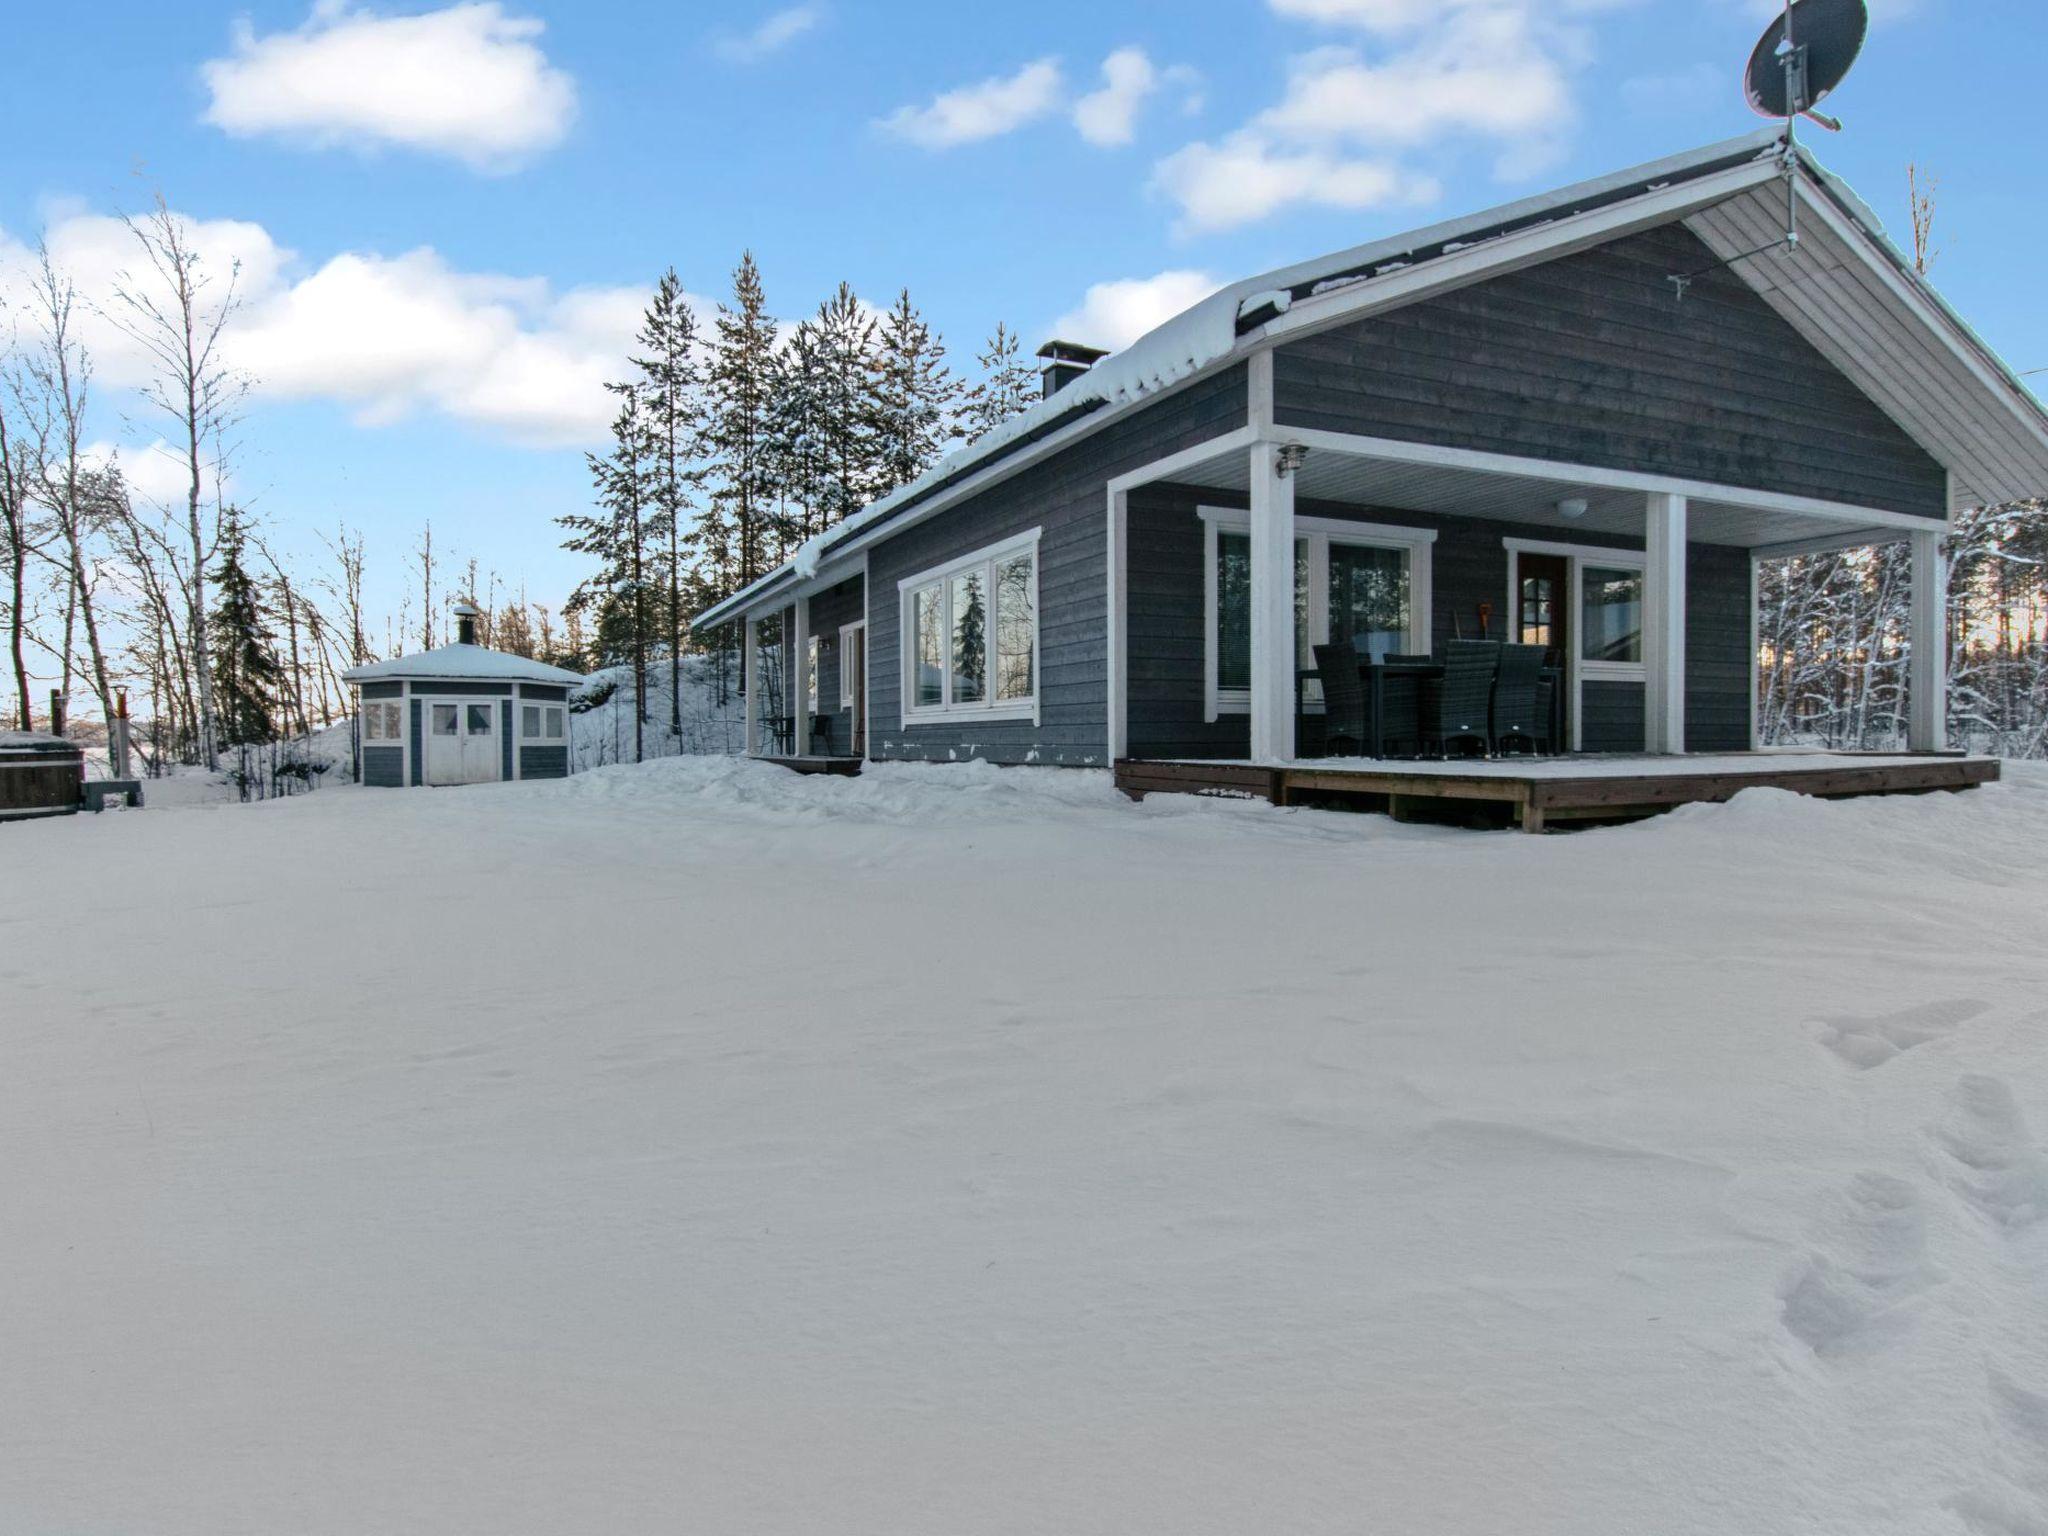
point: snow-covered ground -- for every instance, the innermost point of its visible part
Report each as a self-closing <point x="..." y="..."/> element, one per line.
<point x="700" y="1147"/>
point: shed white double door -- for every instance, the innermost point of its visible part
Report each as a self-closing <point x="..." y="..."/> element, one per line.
<point x="462" y="742"/>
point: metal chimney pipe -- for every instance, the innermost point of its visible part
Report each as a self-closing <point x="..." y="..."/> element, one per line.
<point x="465" y="623"/>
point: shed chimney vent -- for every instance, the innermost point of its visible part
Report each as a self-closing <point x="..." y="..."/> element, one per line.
<point x="1066" y="361"/>
<point x="465" y="623"/>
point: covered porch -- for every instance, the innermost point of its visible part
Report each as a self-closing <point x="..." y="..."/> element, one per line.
<point x="1230" y="562"/>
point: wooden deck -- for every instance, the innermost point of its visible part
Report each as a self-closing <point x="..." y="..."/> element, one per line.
<point x="1541" y="791"/>
<point x="839" y="767"/>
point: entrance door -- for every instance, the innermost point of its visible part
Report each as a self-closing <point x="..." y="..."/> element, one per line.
<point x="1543" y="615"/>
<point x="462" y="744"/>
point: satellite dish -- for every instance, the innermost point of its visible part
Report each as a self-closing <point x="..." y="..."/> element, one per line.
<point x="1803" y="55"/>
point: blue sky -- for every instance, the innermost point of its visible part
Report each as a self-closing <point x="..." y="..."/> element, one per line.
<point x="448" y="213"/>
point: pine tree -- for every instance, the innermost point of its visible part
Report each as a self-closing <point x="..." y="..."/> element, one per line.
<point x="1007" y="387"/>
<point x="798" y="453"/>
<point x="850" y="428"/>
<point x="736" y="432"/>
<point x="619" y="593"/>
<point x="915" y="397"/>
<point x="245" y="671"/>
<point x="672" y="383"/>
<point x="970" y="636"/>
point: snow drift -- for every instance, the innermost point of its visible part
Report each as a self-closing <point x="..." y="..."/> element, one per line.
<point x="967" y="1150"/>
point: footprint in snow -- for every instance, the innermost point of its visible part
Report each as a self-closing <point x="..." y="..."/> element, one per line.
<point x="1868" y="1261"/>
<point x="2016" y="1503"/>
<point x="1871" y="1042"/>
<point x="1990" y="1159"/>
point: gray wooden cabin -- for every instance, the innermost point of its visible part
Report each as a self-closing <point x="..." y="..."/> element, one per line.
<point x="461" y="714"/>
<point x="1612" y="400"/>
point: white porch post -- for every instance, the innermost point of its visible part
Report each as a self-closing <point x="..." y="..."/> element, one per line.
<point x="750" y="680"/>
<point x="800" y="676"/>
<point x="1664" y="623"/>
<point x="1927" y="660"/>
<point x="1273" y="640"/>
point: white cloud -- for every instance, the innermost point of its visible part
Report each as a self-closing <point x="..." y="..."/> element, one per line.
<point x="984" y="110"/>
<point x="1109" y="116"/>
<point x="468" y="81"/>
<point x="1248" y="177"/>
<point x="1353" y="117"/>
<point x="155" y="472"/>
<point x="774" y="33"/>
<point x="385" y="336"/>
<point x="1115" y="314"/>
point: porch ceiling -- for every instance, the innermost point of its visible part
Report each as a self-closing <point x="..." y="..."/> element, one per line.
<point x="1393" y="486"/>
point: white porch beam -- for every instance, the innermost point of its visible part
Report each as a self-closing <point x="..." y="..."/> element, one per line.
<point x="799" y="670"/>
<point x="1273" y="641"/>
<point x="1664" y="623"/>
<point x="750" y="680"/>
<point x="1119" y="679"/>
<point x="1927" y="660"/>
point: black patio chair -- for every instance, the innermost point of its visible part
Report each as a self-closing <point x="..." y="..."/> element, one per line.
<point x="1458" y="706"/>
<point x="1343" y="696"/>
<point x="1519" y="710"/>
<point x="821" y="735"/>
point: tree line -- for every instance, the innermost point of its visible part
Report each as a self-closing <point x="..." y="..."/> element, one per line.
<point x="737" y="440"/>
<point x="183" y="600"/>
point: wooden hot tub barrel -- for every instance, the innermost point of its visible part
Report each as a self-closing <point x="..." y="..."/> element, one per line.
<point x="39" y="775"/>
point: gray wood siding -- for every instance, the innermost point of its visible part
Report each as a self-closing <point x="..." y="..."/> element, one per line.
<point x="1717" y="684"/>
<point x="417" y="743"/>
<point x="1469" y="567"/>
<point x="543" y="762"/>
<point x="463" y="690"/>
<point x="548" y="691"/>
<point x="505" y="714"/>
<point x="1612" y="716"/>
<point x="1591" y="359"/>
<point x="383" y="767"/>
<point x="1065" y="496"/>
<point x="381" y="690"/>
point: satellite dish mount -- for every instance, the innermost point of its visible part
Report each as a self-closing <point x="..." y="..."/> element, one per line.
<point x="1795" y="65"/>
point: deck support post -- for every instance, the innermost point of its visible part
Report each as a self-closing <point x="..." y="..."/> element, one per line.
<point x="1927" y="653"/>
<point x="1272" y="615"/>
<point x="1664" y="623"/>
<point x="798" y="632"/>
<point x="750" y="680"/>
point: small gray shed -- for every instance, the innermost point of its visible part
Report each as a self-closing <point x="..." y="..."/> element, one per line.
<point x="462" y="714"/>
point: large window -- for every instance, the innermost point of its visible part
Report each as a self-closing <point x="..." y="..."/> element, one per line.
<point x="381" y="719"/>
<point x="970" y="636"/>
<point x="1610" y="614"/>
<point x="1363" y="582"/>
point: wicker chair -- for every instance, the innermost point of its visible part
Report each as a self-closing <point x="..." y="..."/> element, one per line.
<point x="1518" y="704"/>
<point x="1343" y="696"/>
<point x="1458" y="706"/>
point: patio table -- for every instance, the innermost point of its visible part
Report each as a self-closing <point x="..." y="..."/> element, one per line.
<point x="1376" y="675"/>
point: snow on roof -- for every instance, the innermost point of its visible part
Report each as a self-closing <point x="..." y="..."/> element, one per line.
<point x="1211" y="329"/>
<point x="32" y="740"/>
<point x="463" y="661"/>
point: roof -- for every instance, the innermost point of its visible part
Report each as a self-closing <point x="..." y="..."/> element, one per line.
<point x="1235" y="320"/>
<point x="463" y="662"/>
<point x="34" y="741"/>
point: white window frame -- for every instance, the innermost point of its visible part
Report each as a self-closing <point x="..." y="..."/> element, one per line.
<point x="544" y="739"/>
<point x="397" y="736"/>
<point x="1577" y="669"/>
<point x="991" y="708"/>
<point x="850" y="635"/>
<point x="1417" y="545"/>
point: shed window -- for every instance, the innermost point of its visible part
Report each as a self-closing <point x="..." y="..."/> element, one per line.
<point x="381" y="719"/>
<point x="540" y="722"/>
<point x="970" y="636"/>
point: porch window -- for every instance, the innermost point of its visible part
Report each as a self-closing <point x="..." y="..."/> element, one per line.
<point x="540" y="722"/>
<point x="971" y="635"/>
<point x="1610" y="614"/>
<point x="850" y="636"/>
<point x="1363" y="582"/>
